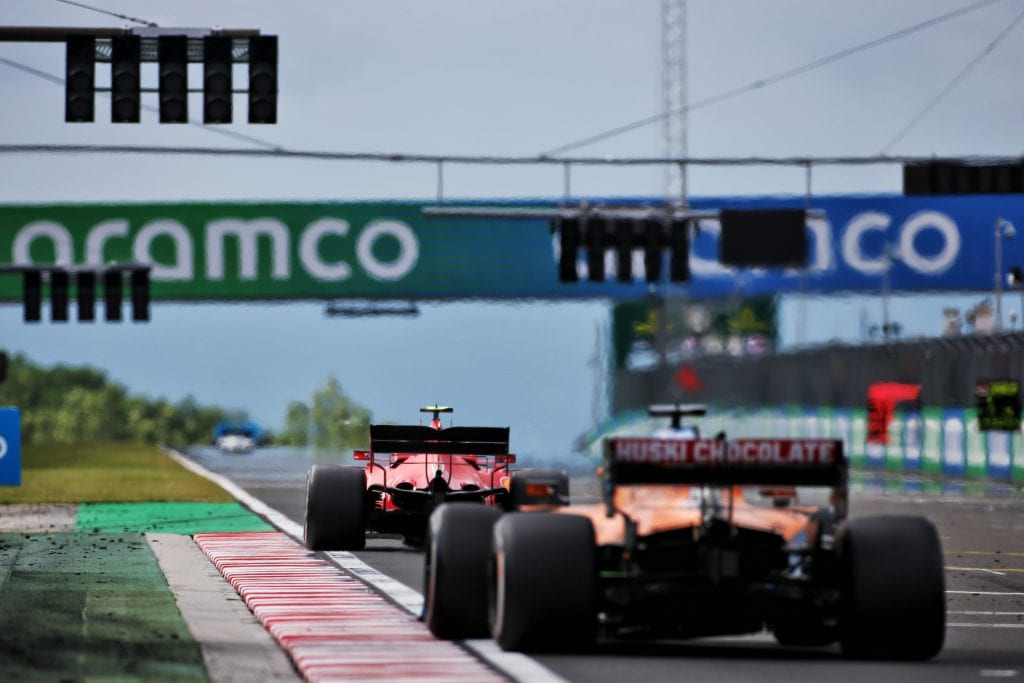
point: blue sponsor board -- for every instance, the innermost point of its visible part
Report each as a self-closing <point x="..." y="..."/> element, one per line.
<point x="10" y="447"/>
<point x="934" y="243"/>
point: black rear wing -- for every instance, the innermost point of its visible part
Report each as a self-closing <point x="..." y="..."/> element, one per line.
<point x="792" y="462"/>
<point x="450" y="441"/>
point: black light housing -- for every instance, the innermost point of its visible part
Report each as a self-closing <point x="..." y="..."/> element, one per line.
<point x="80" y="79"/>
<point x="59" y="283"/>
<point x="623" y="229"/>
<point x="263" y="79"/>
<point x="172" y="52"/>
<point x="140" y="295"/>
<point x="125" y="79"/>
<point x="679" y="244"/>
<point x="654" y="240"/>
<point x="113" y="296"/>
<point x="569" y="242"/>
<point x="86" y="284"/>
<point x="596" y="233"/>
<point x="217" y="79"/>
<point x="32" y="295"/>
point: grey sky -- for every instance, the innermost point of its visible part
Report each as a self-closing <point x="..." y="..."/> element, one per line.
<point x="472" y="77"/>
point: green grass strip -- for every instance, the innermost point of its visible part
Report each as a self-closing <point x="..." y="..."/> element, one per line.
<point x="173" y="518"/>
<point x="89" y="607"/>
<point x="107" y="473"/>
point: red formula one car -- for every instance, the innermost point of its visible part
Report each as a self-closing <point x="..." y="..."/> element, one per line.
<point x="694" y="537"/>
<point x="410" y="470"/>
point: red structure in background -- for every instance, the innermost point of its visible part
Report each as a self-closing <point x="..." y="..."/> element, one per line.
<point x="883" y="398"/>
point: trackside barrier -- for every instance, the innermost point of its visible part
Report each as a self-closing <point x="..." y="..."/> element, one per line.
<point x="938" y="442"/>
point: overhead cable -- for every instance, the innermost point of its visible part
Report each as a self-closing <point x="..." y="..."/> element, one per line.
<point x="388" y="157"/>
<point x="771" y="80"/>
<point x="109" y="13"/>
<point x="978" y="58"/>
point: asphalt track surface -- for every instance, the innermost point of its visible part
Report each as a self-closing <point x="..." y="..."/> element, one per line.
<point x="983" y="542"/>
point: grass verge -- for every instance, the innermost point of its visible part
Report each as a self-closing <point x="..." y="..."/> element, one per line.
<point x="106" y="473"/>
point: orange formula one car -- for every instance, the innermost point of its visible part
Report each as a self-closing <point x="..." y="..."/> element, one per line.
<point x="410" y="470"/>
<point x="694" y="537"/>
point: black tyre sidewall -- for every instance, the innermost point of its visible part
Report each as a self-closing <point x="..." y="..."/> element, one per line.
<point x="544" y="587"/>
<point x="335" y="508"/>
<point x="456" y="576"/>
<point x="893" y="603"/>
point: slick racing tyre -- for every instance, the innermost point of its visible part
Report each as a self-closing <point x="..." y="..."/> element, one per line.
<point x="893" y="602"/>
<point x="335" y="508"/>
<point x="543" y="591"/>
<point x="455" y="570"/>
<point x="537" y="486"/>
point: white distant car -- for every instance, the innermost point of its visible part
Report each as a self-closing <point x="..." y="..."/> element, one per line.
<point x="236" y="443"/>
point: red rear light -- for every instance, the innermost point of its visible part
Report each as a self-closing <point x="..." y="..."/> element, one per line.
<point x="540" y="490"/>
<point x="361" y="455"/>
<point x="504" y="459"/>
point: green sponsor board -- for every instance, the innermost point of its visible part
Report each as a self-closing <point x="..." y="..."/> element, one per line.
<point x="690" y="328"/>
<point x="263" y="251"/>
<point x="976" y="452"/>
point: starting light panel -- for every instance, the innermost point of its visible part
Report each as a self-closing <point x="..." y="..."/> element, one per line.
<point x="60" y="291"/>
<point x="597" y="235"/>
<point x="941" y="177"/>
<point x="765" y="238"/>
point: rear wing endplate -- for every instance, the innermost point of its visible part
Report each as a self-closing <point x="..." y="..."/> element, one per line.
<point x="793" y="462"/>
<point x="453" y="440"/>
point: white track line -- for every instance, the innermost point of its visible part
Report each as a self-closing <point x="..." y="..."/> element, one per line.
<point x="519" y="667"/>
<point x="975" y="569"/>
<point x="951" y="625"/>
<point x="982" y="593"/>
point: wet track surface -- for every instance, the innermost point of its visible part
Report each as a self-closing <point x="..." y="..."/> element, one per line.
<point x="983" y="541"/>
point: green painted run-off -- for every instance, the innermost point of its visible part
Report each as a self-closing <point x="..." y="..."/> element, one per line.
<point x="173" y="518"/>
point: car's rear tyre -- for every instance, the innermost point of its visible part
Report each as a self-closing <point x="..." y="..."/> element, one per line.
<point x="455" y="570"/>
<point x="893" y="602"/>
<point x="556" y="481"/>
<point x="543" y="594"/>
<point x="335" y="508"/>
